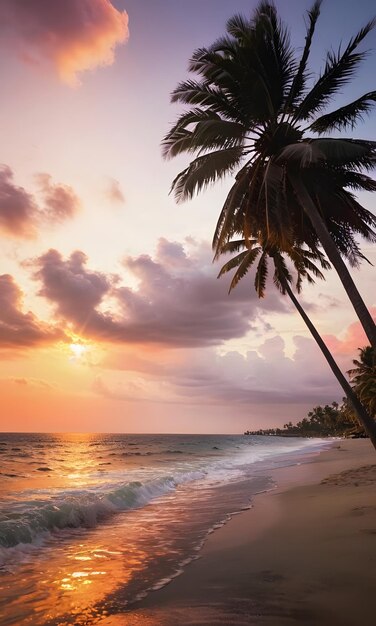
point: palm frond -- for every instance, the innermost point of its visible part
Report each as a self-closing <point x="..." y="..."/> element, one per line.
<point x="261" y="275"/>
<point x="236" y="245"/>
<point x="355" y="180"/>
<point x="243" y="262"/>
<point x="346" y="116"/>
<point x="239" y="28"/>
<point x="205" y="170"/>
<point x="209" y="132"/>
<point x="339" y="69"/>
<point x="225" y="224"/>
<point x="214" y="133"/>
<point x="281" y="274"/>
<point x="232" y="263"/>
<point x="272" y="57"/>
<point x="302" y="154"/>
<point x="195" y="93"/>
<point x="352" y="153"/>
<point x="300" y="77"/>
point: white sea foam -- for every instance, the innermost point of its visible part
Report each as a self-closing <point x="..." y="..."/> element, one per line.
<point x="80" y="509"/>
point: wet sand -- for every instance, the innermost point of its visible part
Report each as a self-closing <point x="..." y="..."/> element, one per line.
<point x="305" y="553"/>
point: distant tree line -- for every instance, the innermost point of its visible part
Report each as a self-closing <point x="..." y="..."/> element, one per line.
<point x="331" y="420"/>
<point x="337" y="420"/>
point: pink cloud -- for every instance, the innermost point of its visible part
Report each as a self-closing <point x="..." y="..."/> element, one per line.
<point x="76" y="35"/>
<point x="203" y="376"/>
<point x="18" y="208"/>
<point x="60" y="201"/>
<point x="20" y="213"/>
<point x="114" y="192"/>
<point x="354" y="337"/>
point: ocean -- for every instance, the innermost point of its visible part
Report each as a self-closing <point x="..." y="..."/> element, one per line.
<point x="92" y="523"/>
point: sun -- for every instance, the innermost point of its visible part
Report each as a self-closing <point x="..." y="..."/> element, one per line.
<point x="78" y="349"/>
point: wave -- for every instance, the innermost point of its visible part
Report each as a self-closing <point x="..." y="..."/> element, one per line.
<point x="149" y="453"/>
<point x="80" y="509"/>
<point x="11" y="475"/>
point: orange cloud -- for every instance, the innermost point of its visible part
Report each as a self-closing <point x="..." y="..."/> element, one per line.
<point x="76" y="35"/>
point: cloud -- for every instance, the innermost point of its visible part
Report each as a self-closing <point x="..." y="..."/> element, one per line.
<point x="75" y="291"/>
<point x="353" y="338"/>
<point x="76" y="35"/>
<point x="178" y="301"/>
<point x="20" y="214"/>
<point x="205" y="377"/>
<point x="18" y="210"/>
<point x="130" y="391"/>
<point x="60" y="201"/>
<point x="114" y="192"/>
<point x="18" y="329"/>
<point x="32" y="382"/>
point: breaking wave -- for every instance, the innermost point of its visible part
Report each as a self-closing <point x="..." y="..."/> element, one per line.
<point x="81" y="509"/>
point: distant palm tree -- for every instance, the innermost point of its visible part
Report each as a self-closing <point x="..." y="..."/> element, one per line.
<point x="363" y="378"/>
<point x="250" y="251"/>
<point x="249" y="112"/>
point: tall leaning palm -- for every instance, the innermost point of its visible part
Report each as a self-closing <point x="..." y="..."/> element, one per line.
<point x="252" y="114"/>
<point x="249" y="253"/>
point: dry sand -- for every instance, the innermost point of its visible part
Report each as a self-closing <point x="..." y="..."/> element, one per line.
<point x="304" y="554"/>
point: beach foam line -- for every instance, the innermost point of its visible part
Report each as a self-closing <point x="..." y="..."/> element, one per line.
<point x="81" y="509"/>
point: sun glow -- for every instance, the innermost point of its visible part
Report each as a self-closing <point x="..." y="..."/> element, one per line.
<point x="78" y="349"/>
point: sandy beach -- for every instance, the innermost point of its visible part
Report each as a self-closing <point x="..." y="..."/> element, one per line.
<point x="305" y="553"/>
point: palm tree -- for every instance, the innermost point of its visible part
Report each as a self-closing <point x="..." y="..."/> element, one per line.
<point x="250" y="112"/>
<point x="363" y="378"/>
<point x="248" y="252"/>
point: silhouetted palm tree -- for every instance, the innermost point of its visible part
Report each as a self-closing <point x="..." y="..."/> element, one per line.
<point x="247" y="254"/>
<point x="363" y="378"/>
<point x="250" y="112"/>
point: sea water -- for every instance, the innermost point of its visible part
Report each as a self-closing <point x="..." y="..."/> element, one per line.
<point x="91" y="523"/>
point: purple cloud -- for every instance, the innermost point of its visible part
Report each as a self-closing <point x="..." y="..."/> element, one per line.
<point x="178" y="301"/>
<point x="60" y="201"/>
<point x="263" y="376"/>
<point x="18" y="210"/>
<point x="20" y="214"/>
<point x="18" y="329"/>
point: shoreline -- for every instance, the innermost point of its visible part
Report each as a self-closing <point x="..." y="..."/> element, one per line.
<point x="304" y="553"/>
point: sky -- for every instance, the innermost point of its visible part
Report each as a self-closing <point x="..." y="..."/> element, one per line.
<point x="111" y="315"/>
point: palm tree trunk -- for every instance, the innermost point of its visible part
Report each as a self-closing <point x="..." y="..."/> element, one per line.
<point x="366" y="420"/>
<point x="335" y="258"/>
